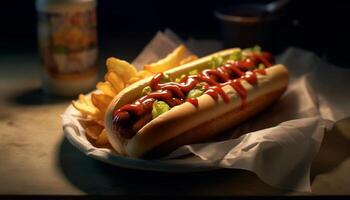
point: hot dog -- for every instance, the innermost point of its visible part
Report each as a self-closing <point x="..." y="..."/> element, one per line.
<point x="194" y="102"/>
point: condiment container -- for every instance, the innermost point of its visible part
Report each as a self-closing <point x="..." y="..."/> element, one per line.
<point x="247" y="25"/>
<point x="67" y="41"/>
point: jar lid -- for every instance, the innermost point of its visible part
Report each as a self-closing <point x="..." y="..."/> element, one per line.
<point x="44" y="5"/>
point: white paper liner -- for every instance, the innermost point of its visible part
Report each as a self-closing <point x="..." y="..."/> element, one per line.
<point x="279" y="145"/>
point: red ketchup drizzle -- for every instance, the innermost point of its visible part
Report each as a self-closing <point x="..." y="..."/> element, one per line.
<point x="241" y="91"/>
<point x="193" y="101"/>
<point x="215" y="90"/>
<point x="232" y="73"/>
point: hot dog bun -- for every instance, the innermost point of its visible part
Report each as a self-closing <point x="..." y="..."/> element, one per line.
<point x="186" y="124"/>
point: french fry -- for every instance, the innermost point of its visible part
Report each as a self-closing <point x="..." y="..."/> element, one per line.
<point x="124" y="69"/>
<point x="102" y="138"/>
<point x="134" y="79"/>
<point x="85" y="122"/>
<point x="115" y="80"/>
<point x="188" y="59"/>
<point x="99" y="118"/>
<point x="144" y="74"/>
<point x="107" y="88"/>
<point x="93" y="132"/>
<point x="84" y="106"/>
<point x="101" y="121"/>
<point x="83" y="99"/>
<point x="140" y="75"/>
<point x="171" y="60"/>
<point x="101" y="101"/>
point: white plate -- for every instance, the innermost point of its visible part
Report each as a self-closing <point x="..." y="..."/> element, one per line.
<point x="77" y="137"/>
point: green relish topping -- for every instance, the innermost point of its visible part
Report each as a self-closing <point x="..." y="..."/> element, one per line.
<point x="146" y="90"/>
<point x="261" y="66"/>
<point x="166" y="78"/>
<point x="178" y="79"/>
<point x="215" y="62"/>
<point x="255" y="49"/>
<point x="159" y="107"/>
<point x="236" y="56"/>
<point x="195" y="93"/>
<point x="193" y="72"/>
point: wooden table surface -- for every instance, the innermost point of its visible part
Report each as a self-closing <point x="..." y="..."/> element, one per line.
<point x="36" y="158"/>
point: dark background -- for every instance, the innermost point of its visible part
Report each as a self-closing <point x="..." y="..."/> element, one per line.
<point x="124" y="27"/>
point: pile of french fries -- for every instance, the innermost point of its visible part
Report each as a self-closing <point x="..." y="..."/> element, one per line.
<point x="120" y="74"/>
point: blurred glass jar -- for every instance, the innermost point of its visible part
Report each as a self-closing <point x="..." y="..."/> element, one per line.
<point x="67" y="40"/>
<point x="246" y="25"/>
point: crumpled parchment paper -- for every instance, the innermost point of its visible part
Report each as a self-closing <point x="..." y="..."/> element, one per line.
<point x="280" y="143"/>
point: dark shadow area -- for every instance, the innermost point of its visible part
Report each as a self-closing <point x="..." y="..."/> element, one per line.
<point x="95" y="177"/>
<point x="335" y="149"/>
<point x="192" y="19"/>
<point x="36" y="97"/>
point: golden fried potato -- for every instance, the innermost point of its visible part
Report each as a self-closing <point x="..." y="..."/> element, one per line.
<point x="115" y="80"/>
<point x="124" y="69"/>
<point x="93" y="132"/>
<point x="144" y="74"/>
<point x="140" y="75"/>
<point x="134" y="79"/>
<point x="86" y="122"/>
<point x="188" y="59"/>
<point x="82" y="99"/>
<point x="100" y="119"/>
<point x="170" y="61"/>
<point x="101" y="101"/>
<point x="107" y="88"/>
<point x="85" y="106"/>
<point x="102" y="138"/>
